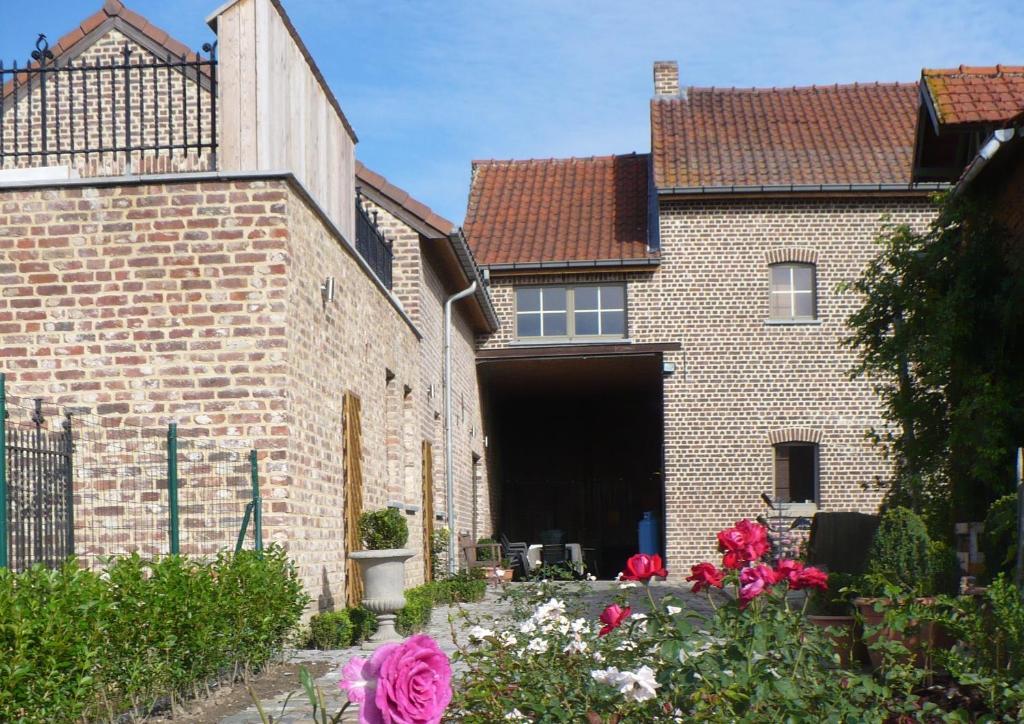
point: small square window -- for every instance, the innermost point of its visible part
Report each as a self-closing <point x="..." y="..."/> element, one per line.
<point x="792" y="291"/>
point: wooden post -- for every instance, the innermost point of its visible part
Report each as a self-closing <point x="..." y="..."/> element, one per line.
<point x="1020" y="517"/>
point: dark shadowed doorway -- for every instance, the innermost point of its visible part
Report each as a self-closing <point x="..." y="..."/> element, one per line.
<point x="575" y="444"/>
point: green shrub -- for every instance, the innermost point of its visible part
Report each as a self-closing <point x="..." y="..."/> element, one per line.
<point x="485" y="550"/>
<point x="835" y="601"/>
<point x="415" y="615"/>
<point x="51" y="643"/>
<point x="75" y="644"/>
<point x="999" y="539"/>
<point x="383" y="529"/>
<point x="364" y="624"/>
<point x="330" y="630"/>
<point x="945" y="568"/>
<point x="899" y="551"/>
<point x="462" y="587"/>
<point x="440" y="542"/>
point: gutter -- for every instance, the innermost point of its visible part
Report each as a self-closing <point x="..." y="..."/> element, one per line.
<point x="472" y="270"/>
<point x="449" y="474"/>
<point x="989" y="149"/>
<point x="801" y="189"/>
<point x="600" y="263"/>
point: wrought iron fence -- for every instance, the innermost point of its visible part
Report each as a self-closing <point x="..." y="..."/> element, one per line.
<point x="38" y="488"/>
<point x="372" y="246"/>
<point x="124" y="111"/>
<point x="97" y="486"/>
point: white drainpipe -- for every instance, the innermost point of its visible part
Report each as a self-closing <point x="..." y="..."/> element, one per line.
<point x="988" y="150"/>
<point x="449" y="477"/>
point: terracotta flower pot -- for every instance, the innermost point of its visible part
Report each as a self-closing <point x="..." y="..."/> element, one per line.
<point x="916" y="641"/>
<point x="490" y="573"/>
<point x="844" y="638"/>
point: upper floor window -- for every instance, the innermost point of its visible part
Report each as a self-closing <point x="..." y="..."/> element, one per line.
<point x="792" y="291"/>
<point x="571" y="312"/>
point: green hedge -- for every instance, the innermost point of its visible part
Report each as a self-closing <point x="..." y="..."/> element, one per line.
<point x="77" y="644"/>
<point x="349" y="627"/>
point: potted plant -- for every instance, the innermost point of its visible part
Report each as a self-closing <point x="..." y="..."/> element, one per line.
<point x="900" y="578"/>
<point x="833" y="611"/>
<point x="384" y="534"/>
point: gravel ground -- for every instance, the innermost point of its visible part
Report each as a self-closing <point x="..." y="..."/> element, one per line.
<point x="442" y="621"/>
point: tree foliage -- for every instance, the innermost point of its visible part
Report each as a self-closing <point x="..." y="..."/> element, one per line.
<point x="939" y="334"/>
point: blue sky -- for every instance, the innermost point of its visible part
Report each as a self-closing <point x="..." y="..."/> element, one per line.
<point x="430" y="85"/>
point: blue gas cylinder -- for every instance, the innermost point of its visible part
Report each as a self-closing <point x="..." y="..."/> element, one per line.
<point x="648" y="535"/>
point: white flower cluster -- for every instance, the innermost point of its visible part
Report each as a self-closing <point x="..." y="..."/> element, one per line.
<point x="639" y="685"/>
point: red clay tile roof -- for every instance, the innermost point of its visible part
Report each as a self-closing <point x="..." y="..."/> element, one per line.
<point x="975" y="94"/>
<point x="114" y="10"/>
<point x="571" y="209"/>
<point x="402" y="198"/>
<point x="841" y="134"/>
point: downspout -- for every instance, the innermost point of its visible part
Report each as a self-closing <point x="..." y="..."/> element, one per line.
<point x="449" y="477"/>
<point x="991" y="147"/>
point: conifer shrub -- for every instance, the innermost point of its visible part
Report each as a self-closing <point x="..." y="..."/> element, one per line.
<point x="899" y="551"/>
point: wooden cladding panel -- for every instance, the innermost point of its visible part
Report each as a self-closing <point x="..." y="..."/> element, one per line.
<point x="353" y="495"/>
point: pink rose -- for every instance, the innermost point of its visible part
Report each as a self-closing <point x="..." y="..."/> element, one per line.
<point x="810" y="577"/>
<point x="643" y="567"/>
<point x="705" y="575"/>
<point x="407" y="683"/>
<point x="754" y="581"/>
<point x="612" y="617"/>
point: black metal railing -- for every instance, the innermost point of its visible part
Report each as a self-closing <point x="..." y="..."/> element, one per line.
<point x="40" y="506"/>
<point x="372" y="245"/>
<point x="123" y="111"/>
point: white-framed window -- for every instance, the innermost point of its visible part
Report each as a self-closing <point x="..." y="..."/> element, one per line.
<point x="580" y="312"/>
<point x="796" y="472"/>
<point x="792" y="291"/>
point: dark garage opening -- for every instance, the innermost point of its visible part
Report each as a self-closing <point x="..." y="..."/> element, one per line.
<point x="576" y="445"/>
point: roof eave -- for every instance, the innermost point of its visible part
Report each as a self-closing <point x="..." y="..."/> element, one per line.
<point x="639" y="262"/>
<point x="800" y="189"/>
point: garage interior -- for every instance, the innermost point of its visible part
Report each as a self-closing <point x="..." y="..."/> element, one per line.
<point x="575" y="444"/>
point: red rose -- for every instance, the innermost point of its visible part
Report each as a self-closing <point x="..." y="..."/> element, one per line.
<point x="643" y="567"/>
<point x="612" y="617"/>
<point x="754" y="581"/>
<point x="756" y="536"/>
<point x="788" y="570"/>
<point x="743" y="543"/>
<point x="810" y="577"/>
<point x="705" y="575"/>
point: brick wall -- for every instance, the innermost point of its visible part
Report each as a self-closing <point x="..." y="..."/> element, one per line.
<point x="742" y="384"/>
<point x="422" y="293"/>
<point x="167" y="108"/>
<point x="200" y="302"/>
<point x="147" y="304"/>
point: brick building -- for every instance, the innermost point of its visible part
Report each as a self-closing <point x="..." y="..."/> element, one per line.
<point x="183" y="240"/>
<point x="677" y="318"/>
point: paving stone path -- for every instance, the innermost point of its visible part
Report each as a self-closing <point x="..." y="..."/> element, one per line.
<point x="442" y="621"/>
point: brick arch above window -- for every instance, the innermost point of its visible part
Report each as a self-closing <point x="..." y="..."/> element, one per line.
<point x="795" y="434"/>
<point x="791" y="256"/>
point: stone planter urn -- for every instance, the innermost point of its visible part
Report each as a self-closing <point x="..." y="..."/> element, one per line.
<point x="383" y="589"/>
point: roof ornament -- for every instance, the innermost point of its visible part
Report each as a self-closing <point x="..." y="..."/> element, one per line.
<point x="42" y="53"/>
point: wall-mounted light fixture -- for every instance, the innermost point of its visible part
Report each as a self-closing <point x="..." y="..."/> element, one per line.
<point x="668" y="368"/>
<point x="327" y="290"/>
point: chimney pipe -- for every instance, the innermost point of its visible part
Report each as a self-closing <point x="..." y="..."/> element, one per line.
<point x="666" y="79"/>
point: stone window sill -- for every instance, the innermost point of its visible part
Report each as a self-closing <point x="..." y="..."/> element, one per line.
<point x="792" y="322"/>
<point x="409" y="508"/>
